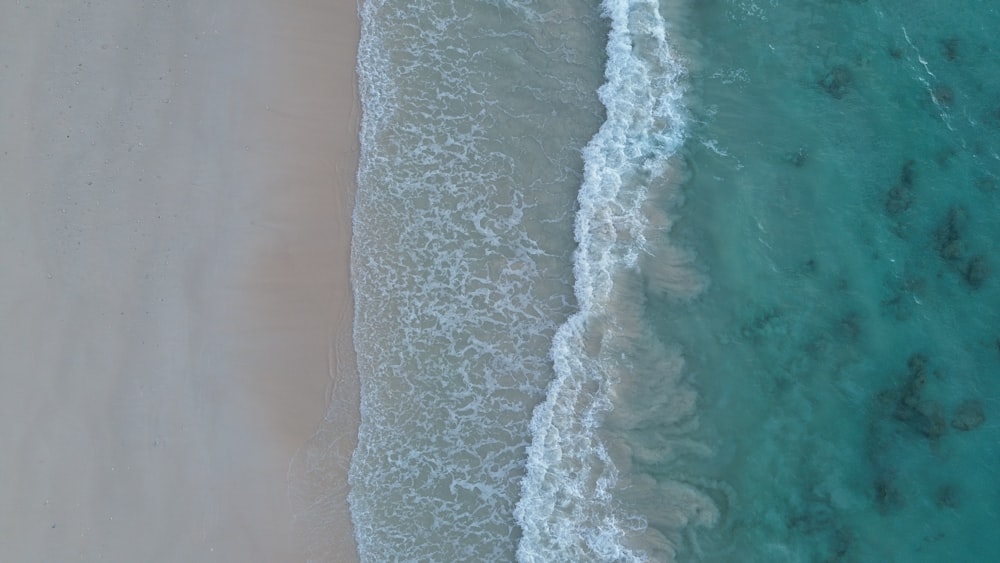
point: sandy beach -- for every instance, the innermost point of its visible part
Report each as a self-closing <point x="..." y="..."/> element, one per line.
<point x="176" y="184"/>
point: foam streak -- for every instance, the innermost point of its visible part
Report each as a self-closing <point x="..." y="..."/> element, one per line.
<point x="569" y="509"/>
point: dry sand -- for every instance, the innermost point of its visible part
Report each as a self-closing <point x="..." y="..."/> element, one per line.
<point x="176" y="182"/>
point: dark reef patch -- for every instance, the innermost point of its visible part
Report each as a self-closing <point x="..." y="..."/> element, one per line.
<point x="797" y="158"/>
<point x="909" y="411"/>
<point x="897" y="306"/>
<point x="976" y="272"/>
<point x="811" y="267"/>
<point x="950" y="245"/>
<point x="819" y="520"/>
<point x="905" y="292"/>
<point x="948" y="235"/>
<point x="922" y="415"/>
<point x="943" y="95"/>
<point x="968" y="416"/>
<point x="946" y="496"/>
<point x="837" y="81"/>
<point x="926" y="417"/>
<point x="849" y="326"/>
<point x="761" y="325"/>
<point x="950" y="48"/>
<point x="987" y="184"/>
<point x="898" y="413"/>
<point x="888" y="496"/>
<point x="900" y="196"/>
<point x="945" y="156"/>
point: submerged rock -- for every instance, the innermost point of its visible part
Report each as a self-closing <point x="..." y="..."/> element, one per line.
<point x="946" y="496"/>
<point x="837" y="81"/>
<point x="968" y="415"/>
<point x="948" y="236"/>
<point x="943" y="95"/>
<point x="950" y="244"/>
<point x="929" y="420"/>
<point x="904" y="294"/>
<point x="797" y="158"/>
<point x="888" y="497"/>
<point x="900" y="196"/>
<point x="897" y="306"/>
<point x="917" y="366"/>
<point x="906" y="174"/>
<point x="841" y="543"/>
<point x="922" y="415"/>
<point x="949" y="48"/>
<point x="821" y="522"/>
<point x="986" y="184"/>
<point x="976" y="271"/>
<point x="849" y="326"/>
<point x="945" y="156"/>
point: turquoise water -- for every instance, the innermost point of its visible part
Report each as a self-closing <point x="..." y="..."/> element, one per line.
<point x="843" y="200"/>
<point x="693" y="281"/>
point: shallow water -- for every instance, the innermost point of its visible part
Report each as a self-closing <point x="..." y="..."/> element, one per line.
<point x="473" y="117"/>
<point x="748" y="282"/>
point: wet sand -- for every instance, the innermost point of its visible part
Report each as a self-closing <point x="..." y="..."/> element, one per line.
<point x="176" y="183"/>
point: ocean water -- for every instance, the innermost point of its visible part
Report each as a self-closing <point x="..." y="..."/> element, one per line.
<point x="678" y="281"/>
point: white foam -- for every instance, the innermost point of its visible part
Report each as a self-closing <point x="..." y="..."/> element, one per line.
<point x="457" y="295"/>
<point x="568" y="509"/>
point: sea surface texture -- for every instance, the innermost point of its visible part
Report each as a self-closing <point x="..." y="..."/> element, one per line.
<point x="678" y="281"/>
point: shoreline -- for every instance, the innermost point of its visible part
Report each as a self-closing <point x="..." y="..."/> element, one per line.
<point x="177" y="299"/>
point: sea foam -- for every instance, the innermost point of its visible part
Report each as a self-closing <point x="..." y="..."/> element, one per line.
<point x="581" y="499"/>
<point x="473" y="117"/>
